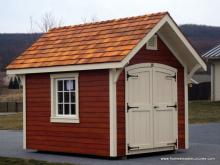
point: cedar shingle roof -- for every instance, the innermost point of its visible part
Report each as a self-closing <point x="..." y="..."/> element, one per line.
<point x="99" y="42"/>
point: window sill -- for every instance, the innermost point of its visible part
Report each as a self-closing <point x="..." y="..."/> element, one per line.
<point x="63" y="120"/>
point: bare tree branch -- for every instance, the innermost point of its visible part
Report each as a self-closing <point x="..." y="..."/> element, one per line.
<point x="90" y="20"/>
<point x="48" y="21"/>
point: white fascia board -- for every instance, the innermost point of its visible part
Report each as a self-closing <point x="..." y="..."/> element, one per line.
<point x="65" y="68"/>
<point x="186" y="43"/>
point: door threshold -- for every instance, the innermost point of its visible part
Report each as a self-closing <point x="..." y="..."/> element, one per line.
<point x="142" y="151"/>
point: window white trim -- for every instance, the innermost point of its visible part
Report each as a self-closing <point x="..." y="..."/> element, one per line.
<point x="63" y="118"/>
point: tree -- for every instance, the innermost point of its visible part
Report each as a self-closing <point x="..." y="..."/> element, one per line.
<point x="89" y="20"/>
<point x="47" y="22"/>
<point x="15" y="84"/>
<point x="19" y="82"/>
<point x="10" y="86"/>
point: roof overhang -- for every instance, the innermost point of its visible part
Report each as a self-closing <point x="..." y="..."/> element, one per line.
<point x="168" y="32"/>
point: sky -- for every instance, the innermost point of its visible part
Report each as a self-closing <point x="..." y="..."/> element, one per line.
<point x="15" y="15"/>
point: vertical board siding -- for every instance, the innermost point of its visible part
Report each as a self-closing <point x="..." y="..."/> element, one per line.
<point x="163" y="56"/>
<point x="90" y="136"/>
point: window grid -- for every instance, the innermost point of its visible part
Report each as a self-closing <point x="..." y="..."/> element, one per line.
<point x="66" y="97"/>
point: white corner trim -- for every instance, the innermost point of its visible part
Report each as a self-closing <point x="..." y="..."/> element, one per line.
<point x="112" y="113"/>
<point x="186" y="109"/>
<point x="212" y="82"/>
<point x="63" y="119"/>
<point x="23" y="79"/>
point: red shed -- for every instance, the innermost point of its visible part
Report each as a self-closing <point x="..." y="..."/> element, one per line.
<point x="110" y="88"/>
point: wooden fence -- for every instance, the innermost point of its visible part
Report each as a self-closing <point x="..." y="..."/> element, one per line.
<point x="200" y="91"/>
<point x="11" y="107"/>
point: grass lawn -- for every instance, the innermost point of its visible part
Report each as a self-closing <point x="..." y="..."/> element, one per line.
<point x="18" y="161"/>
<point x="12" y="122"/>
<point x="199" y="112"/>
<point x="204" y="112"/>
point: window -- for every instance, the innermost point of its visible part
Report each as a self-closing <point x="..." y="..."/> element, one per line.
<point x="64" y="98"/>
<point x="152" y="43"/>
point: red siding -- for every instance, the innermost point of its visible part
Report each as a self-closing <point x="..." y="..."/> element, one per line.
<point x="90" y="136"/>
<point x="163" y="56"/>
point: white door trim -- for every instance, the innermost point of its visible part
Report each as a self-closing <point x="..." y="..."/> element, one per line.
<point x="147" y="65"/>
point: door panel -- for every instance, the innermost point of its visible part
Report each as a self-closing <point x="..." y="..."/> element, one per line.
<point x="140" y="119"/>
<point x="164" y="94"/>
<point x="151" y="124"/>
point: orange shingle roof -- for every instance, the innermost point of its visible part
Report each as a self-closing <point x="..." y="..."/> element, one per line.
<point x="99" y="42"/>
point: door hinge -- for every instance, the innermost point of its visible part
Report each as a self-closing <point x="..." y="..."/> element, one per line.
<point x="172" y="106"/>
<point x="132" y="148"/>
<point x="129" y="107"/>
<point x="175" y="143"/>
<point x="129" y="75"/>
<point x="174" y="77"/>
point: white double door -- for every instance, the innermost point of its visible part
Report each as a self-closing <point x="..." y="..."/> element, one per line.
<point x="151" y="113"/>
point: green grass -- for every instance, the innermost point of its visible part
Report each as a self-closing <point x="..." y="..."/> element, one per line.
<point x="199" y="112"/>
<point x="11" y="122"/>
<point x="204" y="112"/>
<point x="18" y="161"/>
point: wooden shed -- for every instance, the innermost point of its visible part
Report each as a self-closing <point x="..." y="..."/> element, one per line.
<point x="110" y="88"/>
<point x="213" y="58"/>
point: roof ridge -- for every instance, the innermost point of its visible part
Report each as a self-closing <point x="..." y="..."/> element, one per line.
<point x="110" y="20"/>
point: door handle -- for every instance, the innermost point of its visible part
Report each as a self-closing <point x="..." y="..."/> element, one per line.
<point x="156" y="106"/>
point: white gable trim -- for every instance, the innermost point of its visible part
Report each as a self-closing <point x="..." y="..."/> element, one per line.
<point x="169" y="46"/>
<point x="123" y="63"/>
<point x="186" y="43"/>
<point x="144" y="40"/>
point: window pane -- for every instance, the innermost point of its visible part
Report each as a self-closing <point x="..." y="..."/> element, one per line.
<point x="66" y="85"/>
<point x="60" y="97"/>
<point x="60" y="85"/>
<point x="66" y="97"/>
<point x="73" y="109"/>
<point x="66" y="109"/>
<point x="60" y="109"/>
<point x="72" y="85"/>
<point x="73" y="97"/>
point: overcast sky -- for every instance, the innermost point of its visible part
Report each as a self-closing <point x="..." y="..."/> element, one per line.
<point x="15" y="14"/>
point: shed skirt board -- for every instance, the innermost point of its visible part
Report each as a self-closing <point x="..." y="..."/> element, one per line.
<point x="151" y="108"/>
